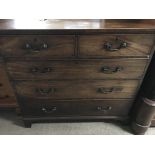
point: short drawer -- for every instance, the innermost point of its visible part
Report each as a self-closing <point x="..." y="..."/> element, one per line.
<point x="37" y="46"/>
<point x="77" y="69"/>
<point x="78" y="89"/>
<point x="75" y="107"/>
<point x="136" y="45"/>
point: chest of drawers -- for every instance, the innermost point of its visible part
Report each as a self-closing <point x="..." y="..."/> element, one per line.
<point x="85" y="73"/>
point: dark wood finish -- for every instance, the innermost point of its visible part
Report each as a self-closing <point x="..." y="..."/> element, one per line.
<point x="96" y="46"/>
<point x="93" y="63"/>
<point x="77" y="69"/>
<point x="37" y="46"/>
<point x="73" y="118"/>
<point x="27" y="123"/>
<point x="78" y="89"/>
<point x="7" y="96"/>
<point x="47" y="108"/>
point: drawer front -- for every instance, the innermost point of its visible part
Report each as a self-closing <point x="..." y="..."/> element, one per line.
<point x="37" y="46"/>
<point x="115" y="45"/>
<point x="76" y="107"/>
<point x="94" y="69"/>
<point x="78" y="89"/>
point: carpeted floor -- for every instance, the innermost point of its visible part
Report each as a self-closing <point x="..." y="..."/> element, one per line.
<point x="10" y="124"/>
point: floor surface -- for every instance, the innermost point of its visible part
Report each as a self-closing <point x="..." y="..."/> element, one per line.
<point x="11" y="124"/>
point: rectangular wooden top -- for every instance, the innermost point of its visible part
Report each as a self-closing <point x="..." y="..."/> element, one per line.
<point x="79" y="25"/>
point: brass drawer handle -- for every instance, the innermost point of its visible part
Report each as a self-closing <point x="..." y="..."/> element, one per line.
<point x="45" y="91"/>
<point x="41" y="70"/>
<point x="51" y="110"/>
<point x="104" y="109"/>
<point x="109" y="90"/>
<point x="36" y="48"/>
<point x="111" y="70"/>
<point x="117" y="45"/>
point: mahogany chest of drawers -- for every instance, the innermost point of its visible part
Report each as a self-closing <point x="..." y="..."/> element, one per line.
<point x="90" y="71"/>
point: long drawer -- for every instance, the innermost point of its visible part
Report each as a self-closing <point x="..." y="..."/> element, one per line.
<point x="137" y="45"/>
<point x="37" y="46"/>
<point x="77" y="89"/>
<point x="75" y="107"/>
<point x="77" y="69"/>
